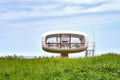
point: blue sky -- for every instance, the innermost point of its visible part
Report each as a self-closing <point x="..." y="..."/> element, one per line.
<point x="22" y="23"/>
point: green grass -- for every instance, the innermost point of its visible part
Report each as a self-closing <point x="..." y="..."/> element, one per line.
<point x="105" y="67"/>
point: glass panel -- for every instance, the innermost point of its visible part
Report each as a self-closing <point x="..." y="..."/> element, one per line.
<point x="64" y="41"/>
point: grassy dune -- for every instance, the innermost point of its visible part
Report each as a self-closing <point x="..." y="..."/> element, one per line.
<point x="105" y="67"/>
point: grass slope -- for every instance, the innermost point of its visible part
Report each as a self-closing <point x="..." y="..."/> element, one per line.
<point x="105" y="67"/>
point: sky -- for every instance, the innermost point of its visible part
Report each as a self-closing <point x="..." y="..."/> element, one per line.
<point x="22" y="22"/>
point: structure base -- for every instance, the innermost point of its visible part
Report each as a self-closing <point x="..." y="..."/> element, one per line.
<point x="64" y="55"/>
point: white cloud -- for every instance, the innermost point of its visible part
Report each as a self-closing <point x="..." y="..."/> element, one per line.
<point x="83" y="1"/>
<point x="56" y="8"/>
<point x="66" y="22"/>
<point x="110" y="6"/>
